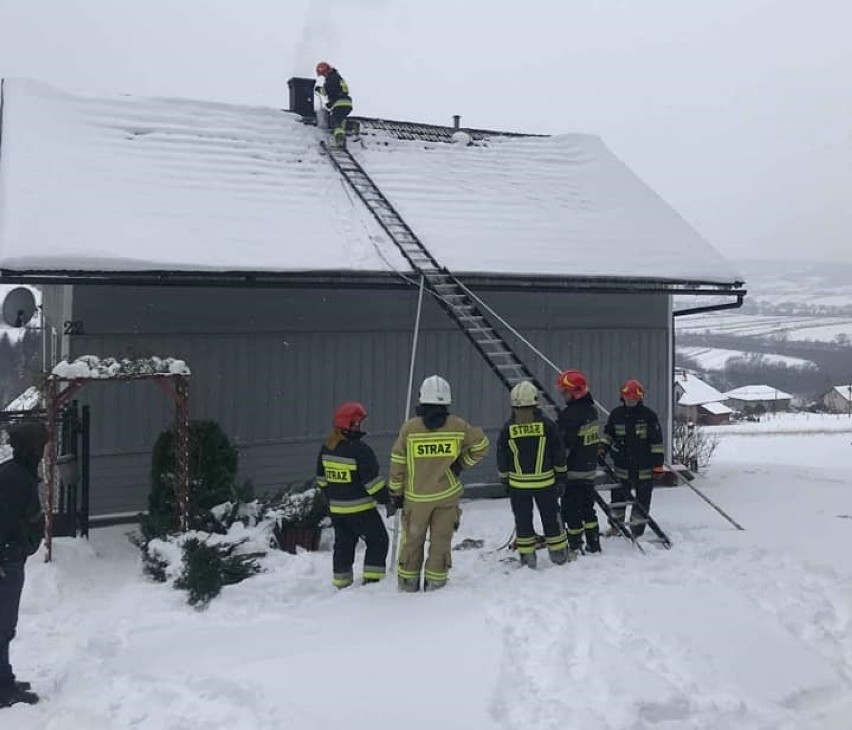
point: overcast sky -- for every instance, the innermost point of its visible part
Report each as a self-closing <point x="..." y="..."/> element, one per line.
<point x="738" y="112"/>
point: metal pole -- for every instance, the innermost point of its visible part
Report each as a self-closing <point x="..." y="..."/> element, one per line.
<point x="52" y="397"/>
<point x="395" y="530"/>
<point x="182" y="450"/>
<point x="711" y="503"/>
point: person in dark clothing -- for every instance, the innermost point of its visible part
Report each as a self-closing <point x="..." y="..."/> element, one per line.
<point x="338" y="101"/>
<point x="348" y="472"/>
<point x="21" y="529"/>
<point x="579" y="423"/>
<point x="634" y="438"/>
<point x="531" y="464"/>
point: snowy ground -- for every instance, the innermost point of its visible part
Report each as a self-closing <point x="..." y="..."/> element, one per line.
<point x="727" y="630"/>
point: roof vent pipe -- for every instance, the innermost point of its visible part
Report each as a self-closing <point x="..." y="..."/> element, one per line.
<point x="456" y="121"/>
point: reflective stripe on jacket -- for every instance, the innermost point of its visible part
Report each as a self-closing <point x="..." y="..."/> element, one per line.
<point x="634" y="438"/>
<point x="531" y="454"/>
<point x="349" y="475"/>
<point x="421" y="458"/>
<point x="337" y="90"/>
<point x="580" y="425"/>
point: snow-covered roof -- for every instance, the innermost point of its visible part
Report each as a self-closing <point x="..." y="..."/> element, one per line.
<point x="757" y="392"/>
<point x="695" y="391"/>
<point x="717" y="409"/>
<point x="136" y="184"/>
<point x="844" y="391"/>
<point x="26" y="401"/>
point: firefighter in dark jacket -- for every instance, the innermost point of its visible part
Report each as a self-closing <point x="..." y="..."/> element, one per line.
<point x="21" y="528"/>
<point x="338" y="102"/>
<point x="348" y="472"/>
<point x="579" y="424"/>
<point x="531" y="463"/>
<point x="634" y="438"/>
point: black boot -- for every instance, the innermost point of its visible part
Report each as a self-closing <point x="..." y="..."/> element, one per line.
<point x="14" y="695"/>
<point x="593" y="542"/>
<point x="529" y="559"/>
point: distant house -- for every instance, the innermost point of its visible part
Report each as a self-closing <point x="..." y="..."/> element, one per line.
<point x="758" y="398"/>
<point x="223" y="235"/>
<point x="698" y="401"/>
<point x="838" y="399"/>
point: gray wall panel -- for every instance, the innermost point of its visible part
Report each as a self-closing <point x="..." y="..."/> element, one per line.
<point x="271" y="365"/>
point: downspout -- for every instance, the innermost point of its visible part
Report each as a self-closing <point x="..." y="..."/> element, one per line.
<point x="2" y="90"/>
<point x="683" y="313"/>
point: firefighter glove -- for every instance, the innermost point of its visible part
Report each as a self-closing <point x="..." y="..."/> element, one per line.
<point x="560" y="486"/>
<point x="504" y="482"/>
<point x="320" y="90"/>
<point x="456" y="467"/>
<point x="394" y="504"/>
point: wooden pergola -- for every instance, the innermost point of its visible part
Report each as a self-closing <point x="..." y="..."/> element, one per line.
<point x="66" y="379"/>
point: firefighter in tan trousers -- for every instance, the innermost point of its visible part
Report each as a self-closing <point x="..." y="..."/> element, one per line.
<point x="426" y="460"/>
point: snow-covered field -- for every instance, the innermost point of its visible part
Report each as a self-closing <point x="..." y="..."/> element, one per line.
<point x="727" y="630"/>
<point x="799" y="328"/>
<point x="716" y="358"/>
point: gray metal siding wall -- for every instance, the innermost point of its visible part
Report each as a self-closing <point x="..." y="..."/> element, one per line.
<point x="271" y="365"/>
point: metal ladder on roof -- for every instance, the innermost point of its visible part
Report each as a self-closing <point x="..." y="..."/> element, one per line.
<point x="452" y="296"/>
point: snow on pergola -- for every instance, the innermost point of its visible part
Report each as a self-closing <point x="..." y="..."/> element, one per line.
<point x="67" y="378"/>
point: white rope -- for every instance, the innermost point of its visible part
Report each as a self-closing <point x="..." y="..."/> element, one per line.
<point x="511" y="329"/>
<point x="395" y="531"/>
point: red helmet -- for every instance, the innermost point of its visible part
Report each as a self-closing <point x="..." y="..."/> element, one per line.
<point x="633" y="389"/>
<point x="349" y="415"/>
<point x="573" y="382"/>
<point x="323" y="68"/>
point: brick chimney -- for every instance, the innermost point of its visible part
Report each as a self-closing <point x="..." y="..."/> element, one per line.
<point x="302" y="96"/>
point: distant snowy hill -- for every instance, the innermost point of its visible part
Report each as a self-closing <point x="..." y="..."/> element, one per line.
<point x="787" y="301"/>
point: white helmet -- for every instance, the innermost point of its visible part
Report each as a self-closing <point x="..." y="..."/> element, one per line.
<point x="523" y="395"/>
<point x="435" y="391"/>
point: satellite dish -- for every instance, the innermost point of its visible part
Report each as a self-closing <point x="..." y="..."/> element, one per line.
<point x="19" y="307"/>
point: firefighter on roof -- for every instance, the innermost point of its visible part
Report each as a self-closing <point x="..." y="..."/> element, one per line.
<point x="430" y="452"/>
<point x="348" y="472"/>
<point x="531" y="463"/>
<point x="634" y="438"/>
<point x="580" y="425"/>
<point x="338" y="102"/>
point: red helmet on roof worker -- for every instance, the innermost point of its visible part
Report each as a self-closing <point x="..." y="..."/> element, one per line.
<point x="323" y="68"/>
<point x="573" y="382"/>
<point x="349" y="415"/>
<point x="632" y="390"/>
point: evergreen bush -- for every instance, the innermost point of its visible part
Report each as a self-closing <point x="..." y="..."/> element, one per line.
<point x="212" y="478"/>
<point x="208" y="567"/>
